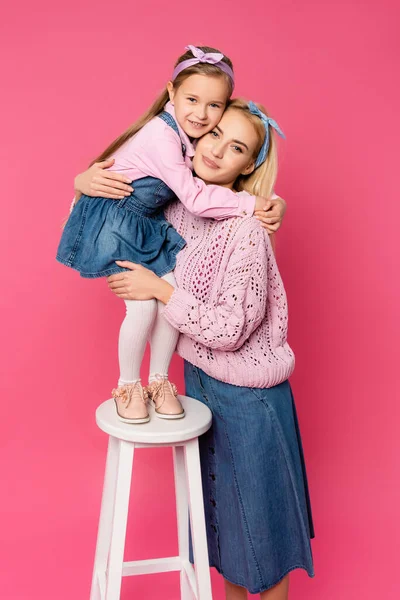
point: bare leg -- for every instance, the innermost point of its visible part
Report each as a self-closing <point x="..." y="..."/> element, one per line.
<point x="280" y="591"/>
<point x="234" y="592"/>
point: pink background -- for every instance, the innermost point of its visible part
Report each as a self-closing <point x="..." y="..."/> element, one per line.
<point x="72" y="79"/>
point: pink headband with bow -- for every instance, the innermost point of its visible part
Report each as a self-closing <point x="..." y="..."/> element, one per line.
<point x="212" y="58"/>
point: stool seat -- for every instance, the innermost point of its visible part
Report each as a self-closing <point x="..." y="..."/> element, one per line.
<point x="197" y="420"/>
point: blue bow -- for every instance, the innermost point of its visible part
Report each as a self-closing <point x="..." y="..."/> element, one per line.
<point x="267" y="121"/>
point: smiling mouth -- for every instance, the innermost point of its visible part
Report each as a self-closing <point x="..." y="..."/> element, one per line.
<point x="209" y="163"/>
<point x="197" y="125"/>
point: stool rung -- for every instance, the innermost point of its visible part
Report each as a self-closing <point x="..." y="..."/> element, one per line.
<point x="189" y="570"/>
<point x="155" y="565"/>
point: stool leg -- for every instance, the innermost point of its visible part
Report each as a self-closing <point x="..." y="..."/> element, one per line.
<point x="182" y="515"/>
<point x="121" y="505"/>
<point x="105" y="521"/>
<point x="197" y="520"/>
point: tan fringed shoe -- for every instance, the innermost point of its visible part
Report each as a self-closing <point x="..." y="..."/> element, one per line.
<point x="165" y="395"/>
<point x="131" y="403"/>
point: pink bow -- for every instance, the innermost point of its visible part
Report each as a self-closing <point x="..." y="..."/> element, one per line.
<point x="211" y="57"/>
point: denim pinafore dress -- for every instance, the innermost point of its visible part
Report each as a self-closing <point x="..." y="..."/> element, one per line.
<point x="100" y="231"/>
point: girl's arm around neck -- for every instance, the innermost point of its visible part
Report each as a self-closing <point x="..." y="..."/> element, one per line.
<point x="161" y="156"/>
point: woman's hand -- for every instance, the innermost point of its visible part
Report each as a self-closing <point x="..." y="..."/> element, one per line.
<point x="272" y="214"/>
<point x="139" y="284"/>
<point x="97" y="181"/>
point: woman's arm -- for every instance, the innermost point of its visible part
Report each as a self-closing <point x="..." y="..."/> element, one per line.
<point x="239" y="310"/>
<point x="224" y="324"/>
<point x="98" y="181"/>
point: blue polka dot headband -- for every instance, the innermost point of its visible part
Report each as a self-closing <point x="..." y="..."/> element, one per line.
<point x="267" y="122"/>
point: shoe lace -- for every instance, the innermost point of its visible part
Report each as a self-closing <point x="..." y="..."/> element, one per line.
<point x="159" y="386"/>
<point x="125" y="392"/>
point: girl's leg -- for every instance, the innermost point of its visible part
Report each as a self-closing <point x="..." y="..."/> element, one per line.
<point x="234" y="592"/>
<point x="133" y="336"/>
<point x="130" y="397"/>
<point x="163" y="340"/>
<point x="280" y="591"/>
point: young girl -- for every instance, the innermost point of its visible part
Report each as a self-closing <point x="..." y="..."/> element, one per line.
<point x="156" y="154"/>
<point x="233" y="325"/>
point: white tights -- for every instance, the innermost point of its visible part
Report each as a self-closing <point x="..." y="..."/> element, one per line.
<point x="143" y="322"/>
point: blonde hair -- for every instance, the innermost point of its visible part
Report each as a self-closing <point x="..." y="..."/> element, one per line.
<point x="262" y="180"/>
<point x="158" y="105"/>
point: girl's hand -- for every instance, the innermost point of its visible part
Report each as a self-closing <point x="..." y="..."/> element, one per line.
<point x="139" y="284"/>
<point x="272" y="215"/>
<point x="97" y="181"/>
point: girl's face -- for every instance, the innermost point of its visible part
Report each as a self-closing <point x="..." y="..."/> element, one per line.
<point x="227" y="151"/>
<point x="199" y="103"/>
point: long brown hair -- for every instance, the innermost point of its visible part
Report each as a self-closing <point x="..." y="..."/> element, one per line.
<point x="158" y="105"/>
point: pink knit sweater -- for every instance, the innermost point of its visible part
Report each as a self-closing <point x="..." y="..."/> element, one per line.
<point x="230" y="303"/>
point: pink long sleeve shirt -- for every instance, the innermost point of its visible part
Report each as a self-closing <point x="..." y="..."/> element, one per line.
<point x="230" y="303"/>
<point x="156" y="150"/>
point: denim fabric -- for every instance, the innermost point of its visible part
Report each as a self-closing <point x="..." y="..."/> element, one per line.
<point x="256" y="499"/>
<point x="100" y="231"/>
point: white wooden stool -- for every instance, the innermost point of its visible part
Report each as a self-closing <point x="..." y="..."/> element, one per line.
<point x="182" y="434"/>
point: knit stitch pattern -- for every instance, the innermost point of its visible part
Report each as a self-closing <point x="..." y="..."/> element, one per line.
<point x="230" y="303"/>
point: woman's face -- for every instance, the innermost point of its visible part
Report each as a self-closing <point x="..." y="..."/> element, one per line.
<point x="227" y="151"/>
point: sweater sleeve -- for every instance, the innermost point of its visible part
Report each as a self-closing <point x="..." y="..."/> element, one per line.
<point x="226" y="323"/>
<point x="161" y="157"/>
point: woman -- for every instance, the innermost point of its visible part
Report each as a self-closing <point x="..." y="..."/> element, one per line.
<point x="230" y="306"/>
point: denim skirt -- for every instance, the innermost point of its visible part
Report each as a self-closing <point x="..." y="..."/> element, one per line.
<point x="256" y="498"/>
<point x="100" y="231"/>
